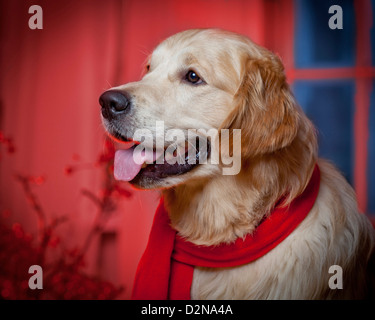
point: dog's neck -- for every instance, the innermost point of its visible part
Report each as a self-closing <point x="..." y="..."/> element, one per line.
<point x="223" y="208"/>
<point x="218" y="211"/>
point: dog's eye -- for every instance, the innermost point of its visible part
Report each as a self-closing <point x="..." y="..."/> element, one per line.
<point x="192" y="77"/>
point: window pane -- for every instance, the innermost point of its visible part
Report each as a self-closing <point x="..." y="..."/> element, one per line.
<point x="371" y="156"/>
<point x="372" y="33"/>
<point x="330" y="105"/>
<point x="316" y="45"/>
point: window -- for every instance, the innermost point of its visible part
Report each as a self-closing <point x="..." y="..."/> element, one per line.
<point x="332" y="73"/>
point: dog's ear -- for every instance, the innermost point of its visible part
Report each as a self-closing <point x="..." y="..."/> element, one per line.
<point x="265" y="109"/>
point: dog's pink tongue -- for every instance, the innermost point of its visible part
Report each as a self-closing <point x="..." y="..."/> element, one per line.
<point x="125" y="168"/>
<point x="128" y="163"/>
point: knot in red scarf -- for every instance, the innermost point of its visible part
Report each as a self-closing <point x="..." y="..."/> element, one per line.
<point x="165" y="270"/>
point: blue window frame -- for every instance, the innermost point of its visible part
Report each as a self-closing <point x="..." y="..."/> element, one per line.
<point x="371" y="154"/>
<point x="330" y="106"/>
<point x="316" y="45"/>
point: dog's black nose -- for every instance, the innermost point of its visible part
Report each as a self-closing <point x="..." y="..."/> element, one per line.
<point x="114" y="103"/>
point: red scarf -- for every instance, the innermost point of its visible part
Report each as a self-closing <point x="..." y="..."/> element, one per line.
<point x="165" y="270"/>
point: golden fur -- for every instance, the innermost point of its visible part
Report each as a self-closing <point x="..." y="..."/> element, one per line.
<point x="246" y="89"/>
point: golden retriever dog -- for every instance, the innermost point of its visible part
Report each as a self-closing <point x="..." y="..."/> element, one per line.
<point x="214" y="79"/>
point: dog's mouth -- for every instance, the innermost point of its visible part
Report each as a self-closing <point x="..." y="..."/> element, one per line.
<point x="133" y="162"/>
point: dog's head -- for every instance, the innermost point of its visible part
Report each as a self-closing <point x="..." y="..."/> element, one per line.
<point x="197" y="81"/>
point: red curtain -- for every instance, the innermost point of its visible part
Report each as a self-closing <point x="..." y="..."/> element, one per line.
<point x="50" y="83"/>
